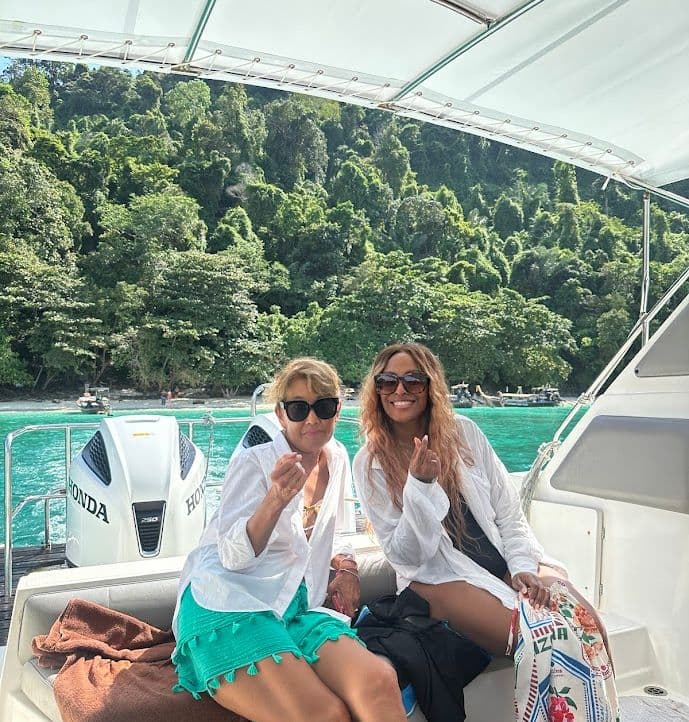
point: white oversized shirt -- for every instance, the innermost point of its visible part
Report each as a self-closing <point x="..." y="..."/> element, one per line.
<point x="414" y="539"/>
<point x="224" y="571"/>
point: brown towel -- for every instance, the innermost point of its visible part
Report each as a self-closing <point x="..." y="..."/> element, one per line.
<point x="116" y="668"/>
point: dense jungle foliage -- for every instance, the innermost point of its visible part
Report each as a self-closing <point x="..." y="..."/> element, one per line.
<point x="165" y="232"/>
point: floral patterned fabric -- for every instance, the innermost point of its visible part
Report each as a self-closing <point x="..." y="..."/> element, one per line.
<point x="562" y="669"/>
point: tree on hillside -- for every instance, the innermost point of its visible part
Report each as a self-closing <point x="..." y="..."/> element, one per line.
<point x="422" y="226"/>
<point x="12" y="371"/>
<point x="542" y="271"/>
<point x="508" y="217"/>
<point x="612" y="328"/>
<point x="262" y="203"/>
<point x="33" y="85"/>
<point x="38" y="209"/>
<point x="42" y="308"/>
<point x="362" y="185"/>
<point x="392" y="158"/>
<point x="384" y="301"/>
<point x="146" y="93"/>
<point x="205" y="180"/>
<point x="198" y="314"/>
<point x="243" y="130"/>
<point x="531" y="342"/>
<point x="94" y="91"/>
<point x="187" y="103"/>
<point x="133" y="234"/>
<point x="479" y="272"/>
<point x="565" y="177"/>
<point x="295" y="146"/>
<point x="15" y="120"/>
<point x="567" y="229"/>
<point x="465" y="334"/>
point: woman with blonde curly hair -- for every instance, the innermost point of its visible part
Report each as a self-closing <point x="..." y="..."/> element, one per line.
<point x="251" y="624"/>
<point x="442" y="505"/>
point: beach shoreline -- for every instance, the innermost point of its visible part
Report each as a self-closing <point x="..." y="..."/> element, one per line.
<point x="130" y="404"/>
<point x="137" y="403"/>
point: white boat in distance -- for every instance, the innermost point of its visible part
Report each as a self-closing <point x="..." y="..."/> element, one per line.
<point x="95" y="400"/>
<point x="596" y="83"/>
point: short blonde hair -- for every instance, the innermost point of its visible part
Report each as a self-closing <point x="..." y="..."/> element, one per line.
<point x="320" y="377"/>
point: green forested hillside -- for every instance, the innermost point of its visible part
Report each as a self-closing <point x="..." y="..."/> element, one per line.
<point x="164" y="232"/>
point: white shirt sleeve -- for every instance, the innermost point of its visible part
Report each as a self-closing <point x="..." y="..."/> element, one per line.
<point x="409" y="537"/>
<point x="244" y="488"/>
<point x="522" y="550"/>
<point x="341" y="540"/>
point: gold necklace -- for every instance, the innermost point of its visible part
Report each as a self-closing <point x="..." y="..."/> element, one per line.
<point x="310" y="511"/>
<point x="307" y="520"/>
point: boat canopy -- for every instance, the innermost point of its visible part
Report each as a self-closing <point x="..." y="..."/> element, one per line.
<point x="596" y="83"/>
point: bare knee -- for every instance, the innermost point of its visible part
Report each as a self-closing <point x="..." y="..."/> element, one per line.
<point x="380" y="686"/>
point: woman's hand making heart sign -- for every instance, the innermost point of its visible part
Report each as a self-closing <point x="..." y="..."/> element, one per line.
<point x="288" y="477"/>
<point x="424" y="464"/>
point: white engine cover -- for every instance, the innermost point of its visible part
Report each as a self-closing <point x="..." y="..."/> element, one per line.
<point x="136" y="490"/>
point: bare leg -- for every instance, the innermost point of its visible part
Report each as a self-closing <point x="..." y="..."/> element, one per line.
<point x="471" y="611"/>
<point x="545" y="571"/>
<point x="290" y="691"/>
<point x="367" y="684"/>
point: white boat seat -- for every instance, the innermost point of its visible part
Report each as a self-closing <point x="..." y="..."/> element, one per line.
<point x="37" y="685"/>
<point x="488" y="697"/>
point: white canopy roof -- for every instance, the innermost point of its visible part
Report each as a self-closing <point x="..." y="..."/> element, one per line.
<point x="598" y="83"/>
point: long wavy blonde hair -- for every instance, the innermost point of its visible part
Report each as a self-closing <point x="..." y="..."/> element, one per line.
<point x="440" y="425"/>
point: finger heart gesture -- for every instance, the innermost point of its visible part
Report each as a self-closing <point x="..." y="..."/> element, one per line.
<point x="424" y="464"/>
<point x="288" y="476"/>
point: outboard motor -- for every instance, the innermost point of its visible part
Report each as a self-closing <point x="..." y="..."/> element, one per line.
<point x="136" y="490"/>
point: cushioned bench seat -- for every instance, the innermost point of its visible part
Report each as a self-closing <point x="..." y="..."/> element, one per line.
<point x="488" y="697"/>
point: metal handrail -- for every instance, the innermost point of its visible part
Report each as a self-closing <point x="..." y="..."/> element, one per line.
<point x="254" y="397"/>
<point x="547" y="450"/>
<point x="11" y="512"/>
<point x="46" y="499"/>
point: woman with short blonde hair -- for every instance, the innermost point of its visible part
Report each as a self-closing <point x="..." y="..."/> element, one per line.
<point x="251" y="626"/>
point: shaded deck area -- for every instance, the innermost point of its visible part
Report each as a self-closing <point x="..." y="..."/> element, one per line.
<point x="24" y="560"/>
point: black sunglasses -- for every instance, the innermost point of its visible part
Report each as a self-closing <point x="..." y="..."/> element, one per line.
<point x="414" y="382"/>
<point x="298" y="410"/>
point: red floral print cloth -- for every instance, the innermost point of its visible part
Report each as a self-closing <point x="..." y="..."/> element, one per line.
<point x="562" y="669"/>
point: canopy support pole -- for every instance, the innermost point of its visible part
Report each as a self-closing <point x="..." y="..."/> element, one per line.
<point x="198" y="31"/>
<point x="645" y="274"/>
<point x="465" y="47"/>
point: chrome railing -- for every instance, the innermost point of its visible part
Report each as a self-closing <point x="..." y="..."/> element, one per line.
<point x="11" y="511"/>
<point x="640" y="328"/>
<point x="60" y="494"/>
<point x="254" y="397"/>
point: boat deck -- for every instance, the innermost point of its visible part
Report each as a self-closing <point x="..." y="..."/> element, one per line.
<point x="24" y="560"/>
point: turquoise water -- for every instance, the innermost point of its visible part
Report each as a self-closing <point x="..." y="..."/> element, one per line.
<point x="38" y="457"/>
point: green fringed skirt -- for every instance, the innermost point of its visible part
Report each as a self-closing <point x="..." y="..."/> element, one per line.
<point x="213" y="646"/>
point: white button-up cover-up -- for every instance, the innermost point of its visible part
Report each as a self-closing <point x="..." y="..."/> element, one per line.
<point x="414" y="539"/>
<point x="224" y="572"/>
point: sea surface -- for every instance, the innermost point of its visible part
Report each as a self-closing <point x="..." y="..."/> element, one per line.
<point x="38" y="465"/>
